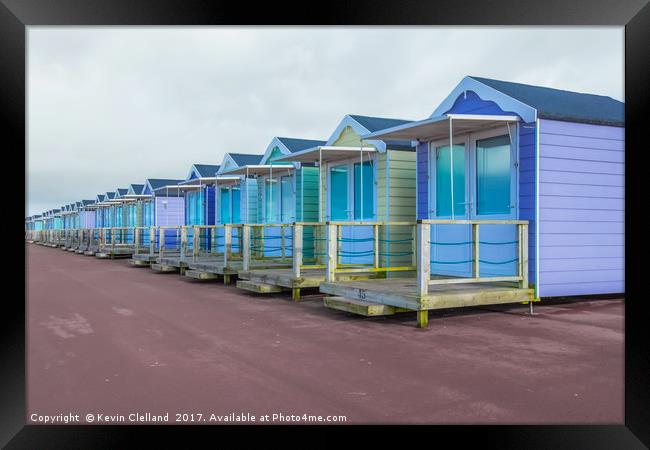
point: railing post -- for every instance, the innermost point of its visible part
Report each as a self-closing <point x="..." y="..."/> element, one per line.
<point x="332" y="251"/>
<point x="195" y="241"/>
<point x="183" y="242"/>
<point x="375" y="229"/>
<point x="152" y="241"/>
<point x="523" y="255"/>
<point x="424" y="260"/>
<point x="297" y="249"/>
<point x="227" y="244"/>
<point x="136" y="240"/>
<point x="282" y="252"/>
<point x="213" y="239"/>
<point x="161" y="241"/>
<point x="475" y="250"/>
<point x="246" y="246"/>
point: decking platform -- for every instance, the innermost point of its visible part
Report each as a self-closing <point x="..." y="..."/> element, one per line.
<point x="401" y="295"/>
<point x="278" y="280"/>
<point x="143" y="259"/>
<point x="90" y="251"/>
<point x="177" y="264"/>
<point x="112" y="253"/>
<point x="234" y="267"/>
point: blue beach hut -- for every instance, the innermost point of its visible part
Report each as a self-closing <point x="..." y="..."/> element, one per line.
<point x="552" y="157"/>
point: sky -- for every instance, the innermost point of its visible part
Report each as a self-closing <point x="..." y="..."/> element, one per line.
<point x="110" y="106"/>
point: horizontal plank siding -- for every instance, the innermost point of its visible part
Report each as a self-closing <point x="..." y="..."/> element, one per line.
<point x="581" y="201"/>
<point x="422" y="187"/>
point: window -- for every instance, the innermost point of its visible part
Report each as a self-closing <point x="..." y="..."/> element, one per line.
<point x="493" y="175"/>
<point x="363" y="191"/>
<point x="444" y="182"/>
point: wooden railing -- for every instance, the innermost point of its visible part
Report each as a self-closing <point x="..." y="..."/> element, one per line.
<point x="334" y="239"/>
<point x="424" y="262"/>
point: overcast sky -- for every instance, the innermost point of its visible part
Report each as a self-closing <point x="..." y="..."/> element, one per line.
<point x="109" y="106"/>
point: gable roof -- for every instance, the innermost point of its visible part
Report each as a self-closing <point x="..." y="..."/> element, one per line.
<point x="297" y="144"/>
<point x="531" y="102"/>
<point x="136" y="188"/>
<point x="244" y="159"/>
<point x="155" y="183"/>
<point x="287" y="146"/>
<point x="558" y="104"/>
<point x="110" y="195"/>
<point x="364" y="125"/>
<point x="373" y="124"/>
<point x="87" y="202"/>
<point x="121" y="192"/>
<point x="205" y="170"/>
<point x="101" y="197"/>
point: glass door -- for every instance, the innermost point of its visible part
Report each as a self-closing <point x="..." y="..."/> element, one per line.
<point x="451" y="249"/>
<point x="495" y="191"/>
<point x="339" y="193"/>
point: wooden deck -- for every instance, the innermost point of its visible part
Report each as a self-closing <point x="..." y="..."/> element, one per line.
<point x="175" y="263"/>
<point x="111" y="253"/>
<point x="402" y="293"/>
<point x="274" y="280"/>
<point x="216" y="266"/>
<point x="143" y="259"/>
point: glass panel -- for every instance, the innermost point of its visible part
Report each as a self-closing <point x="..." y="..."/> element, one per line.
<point x="443" y="181"/>
<point x="339" y="193"/>
<point x="271" y="201"/>
<point x="224" y="201"/>
<point x="366" y="190"/>
<point x="493" y="175"/>
<point x="236" y="209"/>
<point x="286" y="199"/>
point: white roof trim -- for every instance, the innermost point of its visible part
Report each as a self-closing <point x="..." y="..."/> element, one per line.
<point x="348" y="121"/>
<point x="487" y="93"/>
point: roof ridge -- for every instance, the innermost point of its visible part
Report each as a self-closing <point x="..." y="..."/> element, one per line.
<point x="541" y="87"/>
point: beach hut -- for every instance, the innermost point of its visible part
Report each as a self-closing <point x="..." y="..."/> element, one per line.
<point x="99" y="214"/>
<point x="235" y="202"/>
<point x="236" y="195"/>
<point x="118" y="238"/>
<point x="133" y="206"/>
<point x="57" y="227"/>
<point x="109" y="209"/>
<point x="163" y="207"/>
<point x="36" y="227"/>
<point x="197" y="191"/>
<point x="70" y="225"/>
<point x="86" y="224"/>
<point x="286" y="193"/>
<point x="360" y="182"/>
<point x="518" y="185"/>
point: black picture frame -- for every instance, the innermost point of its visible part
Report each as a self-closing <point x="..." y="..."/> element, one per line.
<point x="16" y="15"/>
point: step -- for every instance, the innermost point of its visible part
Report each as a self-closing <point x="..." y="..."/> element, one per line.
<point x="163" y="268"/>
<point x="360" y="307"/>
<point x="139" y="263"/>
<point x="260" y="288"/>
<point x="200" y="275"/>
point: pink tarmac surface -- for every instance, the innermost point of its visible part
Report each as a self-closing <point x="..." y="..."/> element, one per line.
<point x="108" y="338"/>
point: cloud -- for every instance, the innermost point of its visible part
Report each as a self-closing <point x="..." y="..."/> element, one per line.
<point x="109" y="106"/>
